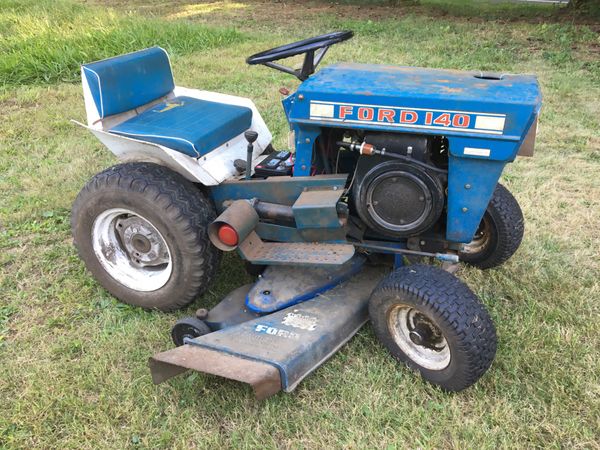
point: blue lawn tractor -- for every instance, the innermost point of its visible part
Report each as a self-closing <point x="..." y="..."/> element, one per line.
<point x="389" y="165"/>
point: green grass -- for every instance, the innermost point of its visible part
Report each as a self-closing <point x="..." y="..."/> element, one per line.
<point x="48" y="43"/>
<point x="73" y="359"/>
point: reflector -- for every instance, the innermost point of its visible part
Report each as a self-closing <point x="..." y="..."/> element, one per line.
<point x="227" y="235"/>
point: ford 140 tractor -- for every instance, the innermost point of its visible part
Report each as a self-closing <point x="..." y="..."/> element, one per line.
<point x="391" y="181"/>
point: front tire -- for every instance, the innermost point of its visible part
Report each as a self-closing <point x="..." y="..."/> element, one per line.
<point x="499" y="234"/>
<point x="432" y="322"/>
<point x="141" y="228"/>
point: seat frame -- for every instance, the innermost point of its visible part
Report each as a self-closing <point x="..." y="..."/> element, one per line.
<point x="210" y="169"/>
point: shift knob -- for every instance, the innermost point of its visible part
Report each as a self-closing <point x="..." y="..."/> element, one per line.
<point x="251" y="136"/>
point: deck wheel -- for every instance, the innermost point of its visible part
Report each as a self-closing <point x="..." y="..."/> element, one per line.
<point x="188" y="328"/>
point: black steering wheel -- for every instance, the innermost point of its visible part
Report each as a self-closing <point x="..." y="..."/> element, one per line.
<point x="314" y="49"/>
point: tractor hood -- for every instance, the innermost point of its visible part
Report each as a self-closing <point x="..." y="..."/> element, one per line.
<point x="409" y="99"/>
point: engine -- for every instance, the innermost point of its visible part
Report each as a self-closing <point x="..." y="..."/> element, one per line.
<point x="399" y="189"/>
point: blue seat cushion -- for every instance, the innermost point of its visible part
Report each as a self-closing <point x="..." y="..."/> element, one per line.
<point x="191" y="126"/>
<point x="128" y="81"/>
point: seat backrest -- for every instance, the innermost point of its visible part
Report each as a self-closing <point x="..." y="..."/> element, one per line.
<point x="128" y="81"/>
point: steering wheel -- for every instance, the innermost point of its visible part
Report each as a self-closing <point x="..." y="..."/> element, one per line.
<point x="314" y="49"/>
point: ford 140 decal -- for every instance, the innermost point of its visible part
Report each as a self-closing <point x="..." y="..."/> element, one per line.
<point x="467" y="121"/>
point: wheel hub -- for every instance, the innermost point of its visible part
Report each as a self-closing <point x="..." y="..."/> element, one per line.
<point x="423" y="332"/>
<point x="142" y="242"/>
<point x="131" y="250"/>
<point x="418" y="337"/>
<point x="481" y="239"/>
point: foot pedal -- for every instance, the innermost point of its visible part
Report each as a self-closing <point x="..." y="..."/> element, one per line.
<point x="256" y="251"/>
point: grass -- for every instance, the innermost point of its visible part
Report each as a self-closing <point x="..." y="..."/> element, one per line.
<point x="73" y="359"/>
<point x="34" y="52"/>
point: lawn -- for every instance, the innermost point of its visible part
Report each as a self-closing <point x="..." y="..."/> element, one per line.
<point x="73" y="360"/>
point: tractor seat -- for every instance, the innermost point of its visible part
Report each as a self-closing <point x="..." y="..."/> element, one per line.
<point x="188" y="125"/>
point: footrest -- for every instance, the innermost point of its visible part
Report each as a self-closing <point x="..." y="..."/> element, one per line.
<point x="256" y="251"/>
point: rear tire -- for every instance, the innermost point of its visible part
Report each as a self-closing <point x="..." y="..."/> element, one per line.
<point x="141" y="230"/>
<point x="432" y="322"/>
<point x="499" y="234"/>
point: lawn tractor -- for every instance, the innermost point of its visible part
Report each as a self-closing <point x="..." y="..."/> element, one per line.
<point x="391" y="168"/>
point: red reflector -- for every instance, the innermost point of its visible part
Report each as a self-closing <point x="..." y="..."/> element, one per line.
<point x="227" y="235"/>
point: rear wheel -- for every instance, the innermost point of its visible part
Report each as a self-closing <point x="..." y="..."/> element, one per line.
<point x="435" y="324"/>
<point x="499" y="234"/>
<point x="141" y="228"/>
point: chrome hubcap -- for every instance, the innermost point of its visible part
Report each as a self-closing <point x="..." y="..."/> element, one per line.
<point x="131" y="250"/>
<point x="418" y="337"/>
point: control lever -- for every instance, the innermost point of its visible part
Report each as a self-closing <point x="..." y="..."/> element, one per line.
<point x="251" y="136"/>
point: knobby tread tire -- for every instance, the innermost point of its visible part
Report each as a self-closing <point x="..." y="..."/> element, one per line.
<point x="508" y="228"/>
<point x="176" y="205"/>
<point x="453" y="307"/>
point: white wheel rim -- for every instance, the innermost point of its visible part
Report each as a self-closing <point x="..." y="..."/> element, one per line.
<point x="481" y="239"/>
<point x="404" y="320"/>
<point x="136" y="255"/>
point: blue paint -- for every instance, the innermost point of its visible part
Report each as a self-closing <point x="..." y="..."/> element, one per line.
<point x="317" y="209"/>
<point x="294" y="350"/>
<point x="125" y="82"/>
<point x="284" y="190"/>
<point x="485" y="121"/>
<point x="471" y="183"/>
<point x="305" y="141"/>
<point x="516" y="96"/>
<point x="268" y="303"/>
<point x="189" y="125"/>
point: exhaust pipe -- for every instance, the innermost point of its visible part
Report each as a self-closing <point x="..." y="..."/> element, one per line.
<point x="233" y="225"/>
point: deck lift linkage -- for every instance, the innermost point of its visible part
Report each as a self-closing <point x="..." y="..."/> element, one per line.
<point x="389" y="164"/>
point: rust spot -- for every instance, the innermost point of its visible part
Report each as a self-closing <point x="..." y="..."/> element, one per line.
<point x="452" y="90"/>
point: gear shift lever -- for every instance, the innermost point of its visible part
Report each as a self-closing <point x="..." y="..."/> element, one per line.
<point x="251" y="136"/>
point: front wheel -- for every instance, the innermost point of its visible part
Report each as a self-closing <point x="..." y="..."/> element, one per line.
<point x="435" y="324"/>
<point x="499" y="234"/>
<point x="141" y="228"/>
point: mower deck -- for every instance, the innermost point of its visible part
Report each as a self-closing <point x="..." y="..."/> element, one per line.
<point x="276" y="351"/>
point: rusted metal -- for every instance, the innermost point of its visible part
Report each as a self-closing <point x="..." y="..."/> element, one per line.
<point x="241" y="216"/>
<point x="279" y="233"/>
<point x="317" y="209"/>
<point x="283" y="190"/>
<point x="264" y="378"/>
<point x="256" y="251"/>
<point x="274" y="211"/>
<point x="526" y="148"/>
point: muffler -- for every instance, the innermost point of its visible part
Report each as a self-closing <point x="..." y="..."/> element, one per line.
<point x="233" y="225"/>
